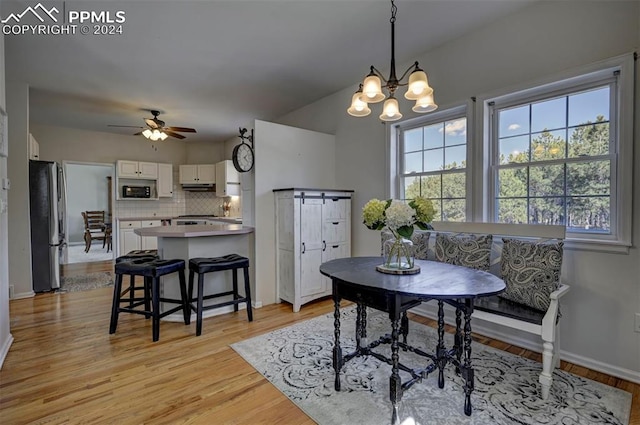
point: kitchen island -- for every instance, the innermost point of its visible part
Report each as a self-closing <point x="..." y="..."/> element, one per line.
<point x="202" y="240"/>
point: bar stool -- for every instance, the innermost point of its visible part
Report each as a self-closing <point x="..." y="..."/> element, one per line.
<point x="151" y="270"/>
<point x="138" y="254"/>
<point x="216" y="264"/>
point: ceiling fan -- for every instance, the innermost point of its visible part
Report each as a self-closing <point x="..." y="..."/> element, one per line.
<point x="156" y="125"/>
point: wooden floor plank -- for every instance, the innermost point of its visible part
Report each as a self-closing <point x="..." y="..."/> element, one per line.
<point x="64" y="367"/>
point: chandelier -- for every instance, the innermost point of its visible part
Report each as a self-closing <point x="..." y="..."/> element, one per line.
<point x="370" y="91"/>
<point x="154" y="134"/>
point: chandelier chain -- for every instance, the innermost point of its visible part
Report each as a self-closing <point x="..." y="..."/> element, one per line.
<point x="394" y="10"/>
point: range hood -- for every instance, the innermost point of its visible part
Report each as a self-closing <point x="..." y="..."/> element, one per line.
<point x="205" y="187"/>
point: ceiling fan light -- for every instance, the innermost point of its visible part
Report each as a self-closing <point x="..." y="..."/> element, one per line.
<point x="418" y="85"/>
<point x="391" y="111"/>
<point x="163" y="135"/>
<point x="425" y="104"/>
<point x="372" y="89"/>
<point x="147" y="133"/>
<point x="359" y="107"/>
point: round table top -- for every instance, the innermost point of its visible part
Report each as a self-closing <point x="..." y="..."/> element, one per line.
<point x="435" y="280"/>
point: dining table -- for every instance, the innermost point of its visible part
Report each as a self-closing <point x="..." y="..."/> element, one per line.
<point x="356" y="279"/>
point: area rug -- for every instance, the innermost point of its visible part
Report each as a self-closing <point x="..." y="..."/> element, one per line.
<point x="86" y="282"/>
<point x="298" y="361"/>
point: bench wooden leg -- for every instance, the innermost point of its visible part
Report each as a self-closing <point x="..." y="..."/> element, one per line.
<point x="546" y="377"/>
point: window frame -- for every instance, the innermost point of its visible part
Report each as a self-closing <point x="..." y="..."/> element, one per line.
<point x="449" y="114"/>
<point x="621" y="143"/>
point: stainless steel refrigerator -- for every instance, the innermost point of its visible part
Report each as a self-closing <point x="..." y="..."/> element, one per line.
<point x="46" y="208"/>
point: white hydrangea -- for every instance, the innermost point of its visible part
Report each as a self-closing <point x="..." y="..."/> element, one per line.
<point x="399" y="214"/>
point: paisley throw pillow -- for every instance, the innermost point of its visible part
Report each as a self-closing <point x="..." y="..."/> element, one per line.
<point x="531" y="271"/>
<point x="463" y="249"/>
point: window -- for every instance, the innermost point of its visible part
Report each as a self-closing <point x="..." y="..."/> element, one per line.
<point x="433" y="162"/>
<point x="559" y="155"/>
<point x="555" y="161"/>
<point x="559" y="152"/>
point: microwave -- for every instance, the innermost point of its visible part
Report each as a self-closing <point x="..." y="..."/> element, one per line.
<point x="136" y="191"/>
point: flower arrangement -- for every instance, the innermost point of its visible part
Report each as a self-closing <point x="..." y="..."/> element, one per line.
<point x="400" y="218"/>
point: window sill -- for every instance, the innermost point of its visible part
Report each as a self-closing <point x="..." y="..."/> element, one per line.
<point x="611" y="247"/>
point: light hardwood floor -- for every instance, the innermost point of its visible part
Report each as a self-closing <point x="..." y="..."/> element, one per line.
<point x="64" y="367"/>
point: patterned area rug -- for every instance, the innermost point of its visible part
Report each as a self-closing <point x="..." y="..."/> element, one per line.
<point x="298" y="361"/>
<point x="86" y="281"/>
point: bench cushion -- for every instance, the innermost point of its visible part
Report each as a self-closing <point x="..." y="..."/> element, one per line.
<point x="507" y="308"/>
<point x="531" y="271"/>
<point x="464" y="249"/>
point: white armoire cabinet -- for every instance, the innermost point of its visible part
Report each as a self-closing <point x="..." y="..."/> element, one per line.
<point x="312" y="226"/>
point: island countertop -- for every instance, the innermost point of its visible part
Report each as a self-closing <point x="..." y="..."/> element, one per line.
<point x="194" y="230"/>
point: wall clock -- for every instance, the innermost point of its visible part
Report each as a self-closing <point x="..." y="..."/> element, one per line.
<point x="242" y="155"/>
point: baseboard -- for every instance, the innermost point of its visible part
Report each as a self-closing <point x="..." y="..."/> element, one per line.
<point x="618" y="372"/>
<point x="510" y="338"/>
<point x="23" y="295"/>
<point x="5" y="349"/>
<point x="256" y="304"/>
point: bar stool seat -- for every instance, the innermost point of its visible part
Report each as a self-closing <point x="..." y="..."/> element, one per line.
<point x="201" y="266"/>
<point x="151" y="269"/>
<point x="138" y="254"/>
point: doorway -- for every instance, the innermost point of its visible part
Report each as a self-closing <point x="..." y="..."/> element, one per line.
<point x="88" y="188"/>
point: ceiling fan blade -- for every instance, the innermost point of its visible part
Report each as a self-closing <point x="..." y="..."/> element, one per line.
<point x="181" y="129"/>
<point x="138" y="133"/>
<point x="151" y="123"/>
<point x="172" y="134"/>
<point x="127" y="126"/>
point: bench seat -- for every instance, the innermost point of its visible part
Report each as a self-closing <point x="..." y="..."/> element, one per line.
<point x="499" y="310"/>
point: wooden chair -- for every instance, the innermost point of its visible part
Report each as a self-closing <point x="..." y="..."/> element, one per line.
<point x="94" y="228"/>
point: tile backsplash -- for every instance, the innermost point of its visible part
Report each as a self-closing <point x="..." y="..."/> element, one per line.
<point x="182" y="203"/>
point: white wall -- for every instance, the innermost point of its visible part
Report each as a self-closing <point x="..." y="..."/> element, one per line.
<point x="285" y="157"/>
<point x="87" y="190"/>
<point x="538" y="42"/>
<point x="5" y="331"/>
<point x="18" y="171"/>
<point x="66" y="144"/>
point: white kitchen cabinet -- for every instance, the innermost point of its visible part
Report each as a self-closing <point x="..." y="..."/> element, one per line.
<point x="197" y="174"/>
<point x="149" y="242"/>
<point x="129" y="240"/>
<point x="165" y="180"/>
<point x="227" y="179"/>
<point x="34" y="148"/>
<point x="137" y="170"/>
<point x="312" y="227"/>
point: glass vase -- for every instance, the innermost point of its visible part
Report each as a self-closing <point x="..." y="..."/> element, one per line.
<point x="399" y="254"/>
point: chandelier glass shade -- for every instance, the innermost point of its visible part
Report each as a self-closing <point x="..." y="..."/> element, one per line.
<point x="154" y="134"/>
<point x="370" y="91"/>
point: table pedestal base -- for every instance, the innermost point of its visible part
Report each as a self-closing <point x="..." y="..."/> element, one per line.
<point x="459" y="355"/>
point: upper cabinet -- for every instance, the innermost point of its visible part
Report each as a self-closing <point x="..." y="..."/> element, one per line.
<point x="227" y="179"/>
<point x="165" y="180"/>
<point x="198" y="174"/>
<point x="137" y="170"/>
<point x="34" y="148"/>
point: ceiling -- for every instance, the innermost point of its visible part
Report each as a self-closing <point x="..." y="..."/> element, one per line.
<point x="217" y="65"/>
